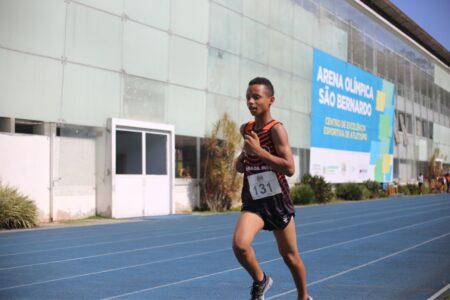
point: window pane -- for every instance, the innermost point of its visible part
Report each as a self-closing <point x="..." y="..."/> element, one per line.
<point x="128" y="152"/>
<point x="190" y="19"/>
<point x="431" y="130"/>
<point x="33" y="26"/>
<point x="425" y="131"/>
<point x="306" y="25"/>
<point x="281" y="15"/>
<point x="418" y="127"/>
<point x="30" y="86"/>
<point x="257" y="10"/>
<point x="93" y="37"/>
<point x="280" y="53"/>
<point x="223" y="73"/>
<point x="144" y="99"/>
<point x="380" y="60"/>
<point x="194" y="103"/>
<point x="302" y="60"/>
<point x="255" y="44"/>
<point x="408" y="123"/>
<point x="186" y="157"/>
<point x="369" y="54"/>
<point x="216" y="106"/>
<point x="186" y="56"/>
<point x="156" y="154"/>
<point x="149" y="57"/>
<point x="401" y="122"/>
<point x="91" y="96"/>
<point x="357" y="46"/>
<point x="224" y="29"/>
<point x="151" y="12"/>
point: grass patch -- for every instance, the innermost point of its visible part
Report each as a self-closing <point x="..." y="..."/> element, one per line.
<point x="88" y="220"/>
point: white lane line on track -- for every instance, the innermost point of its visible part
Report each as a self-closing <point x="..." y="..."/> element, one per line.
<point x="105" y="243"/>
<point x="219" y="229"/>
<point x="201" y="240"/>
<point x="123" y="252"/>
<point x="313" y="283"/>
<point x="440" y="292"/>
<point x="169" y="232"/>
<point x="371" y="214"/>
<point x="212" y="274"/>
<point x="347" y="212"/>
<point x="362" y="265"/>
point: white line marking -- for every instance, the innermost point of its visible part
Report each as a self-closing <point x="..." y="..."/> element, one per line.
<point x="201" y="240"/>
<point x="440" y="292"/>
<point x="362" y="266"/>
<point x="212" y="274"/>
<point x="106" y="271"/>
<point x="120" y="252"/>
<point x="235" y="269"/>
<point x="174" y="283"/>
<point x="167" y="232"/>
<point x="370" y="214"/>
<point x="388" y="208"/>
<point x="146" y="237"/>
<point x="218" y="229"/>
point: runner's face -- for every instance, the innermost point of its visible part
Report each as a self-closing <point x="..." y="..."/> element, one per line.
<point x="258" y="99"/>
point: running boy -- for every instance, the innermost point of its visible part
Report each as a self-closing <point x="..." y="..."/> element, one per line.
<point x="265" y="160"/>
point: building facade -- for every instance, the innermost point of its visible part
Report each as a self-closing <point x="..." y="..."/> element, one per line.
<point x="85" y="83"/>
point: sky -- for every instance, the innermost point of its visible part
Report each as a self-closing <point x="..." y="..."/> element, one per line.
<point x="432" y="15"/>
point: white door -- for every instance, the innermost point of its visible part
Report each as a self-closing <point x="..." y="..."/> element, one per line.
<point x="142" y="177"/>
<point x="129" y="180"/>
<point x="157" y="179"/>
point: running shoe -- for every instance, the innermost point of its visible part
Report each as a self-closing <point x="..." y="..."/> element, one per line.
<point x="260" y="288"/>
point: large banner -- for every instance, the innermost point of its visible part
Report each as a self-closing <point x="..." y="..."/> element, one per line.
<point x="352" y="122"/>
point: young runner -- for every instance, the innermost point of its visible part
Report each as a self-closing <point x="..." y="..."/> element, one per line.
<point x="265" y="160"/>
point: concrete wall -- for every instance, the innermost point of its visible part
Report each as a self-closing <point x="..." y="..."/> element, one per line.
<point x="186" y="195"/>
<point x="24" y="164"/>
<point x="74" y="191"/>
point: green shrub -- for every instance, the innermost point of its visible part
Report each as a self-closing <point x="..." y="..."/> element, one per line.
<point x="322" y="189"/>
<point x="413" y="189"/>
<point x="383" y="194"/>
<point x="302" y="194"/>
<point x="425" y="188"/>
<point x="306" y="179"/>
<point x="366" y="193"/>
<point x="349" y="191"/>
<point x="402" y="189"/>
<point x="373" y="187"/>
<point x="409" y="189"/>
<point x="16" y="210"/>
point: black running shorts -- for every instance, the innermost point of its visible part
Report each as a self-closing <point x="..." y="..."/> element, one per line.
<point x="273" y="219"/>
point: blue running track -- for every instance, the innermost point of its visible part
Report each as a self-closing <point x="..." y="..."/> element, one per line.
<point x="381" y="249"/>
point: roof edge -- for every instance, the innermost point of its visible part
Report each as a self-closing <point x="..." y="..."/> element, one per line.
<point x="392" y="14"/>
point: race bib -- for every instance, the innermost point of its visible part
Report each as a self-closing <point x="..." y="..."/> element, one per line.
<point x="263" y="185"/>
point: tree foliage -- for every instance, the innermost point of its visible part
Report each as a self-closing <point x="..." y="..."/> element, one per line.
<point x="435" y="167"/>
<point x="221" y="184"/>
